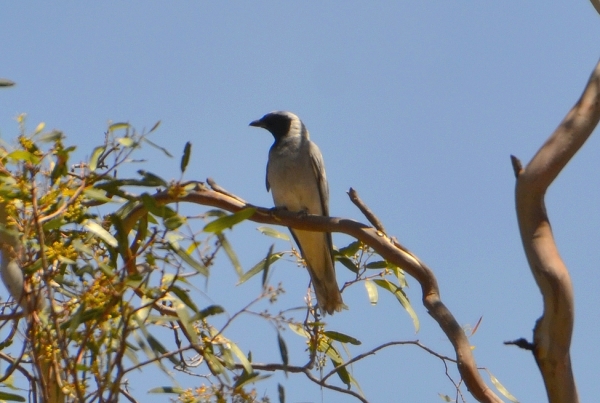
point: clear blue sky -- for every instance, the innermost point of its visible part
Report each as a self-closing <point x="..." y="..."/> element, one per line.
<point x="417" y="105"/>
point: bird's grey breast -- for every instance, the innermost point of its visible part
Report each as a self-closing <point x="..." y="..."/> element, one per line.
<point x="292" y="177"/>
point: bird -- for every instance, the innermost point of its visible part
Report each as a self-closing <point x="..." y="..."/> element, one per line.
<point x="297" y="180"/>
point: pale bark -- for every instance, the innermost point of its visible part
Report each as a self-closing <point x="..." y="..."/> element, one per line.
<point x="552" y="333"/>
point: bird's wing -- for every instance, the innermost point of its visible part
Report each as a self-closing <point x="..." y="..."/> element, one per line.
<point x="267" y="178"/>
<point x="319" y="171"/>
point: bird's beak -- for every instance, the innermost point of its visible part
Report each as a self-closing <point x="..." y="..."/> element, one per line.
<point x="257" y="123"/>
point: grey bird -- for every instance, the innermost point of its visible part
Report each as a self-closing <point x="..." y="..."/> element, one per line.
<point x="297" y="180"/>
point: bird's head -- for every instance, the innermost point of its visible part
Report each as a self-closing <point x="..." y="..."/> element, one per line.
<point x="281" y="124"/>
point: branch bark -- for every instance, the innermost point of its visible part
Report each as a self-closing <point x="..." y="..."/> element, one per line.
<point x="552" y="332"/>
<point x="388" y="248"/>
<point x="596" y="4"/>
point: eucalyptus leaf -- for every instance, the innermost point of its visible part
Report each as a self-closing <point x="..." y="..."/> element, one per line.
<point x="103" y="234"/>
<point x="185" y="158"/>
<point x="118" y="126"/>
<point x="273" y="233"/>
<point x="230" y="254"/>
<point x="372" y="292"/>
<point x="98" y="151"/>
<point x="228" y="221"/>
<point x="167" y="389"/>
<point x="260" y="266"/>
<point x="342" y="338"/>
<point x="11" y="397"/>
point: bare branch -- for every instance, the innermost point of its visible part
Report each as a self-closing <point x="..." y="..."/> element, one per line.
<point x="365" y="210"/>
<point x="552" y="333"/>
<point x="385" y="345"/>
<point x="214" y="186"/>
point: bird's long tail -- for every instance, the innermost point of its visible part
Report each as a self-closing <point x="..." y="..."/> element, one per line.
<point x="316" y="251"/>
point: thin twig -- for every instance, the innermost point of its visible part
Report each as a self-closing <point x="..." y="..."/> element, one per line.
<point x="366" y="210"/>
<point x="214" y="186"/>
<point x="391" y="343"/>
<point x="517" y="165"/>
<point x="62" y="208"/>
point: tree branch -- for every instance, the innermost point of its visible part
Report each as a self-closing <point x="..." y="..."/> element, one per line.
<point x="552" y="333"/>
<point x="596" y="4"/>
<point x="388" y="248"/>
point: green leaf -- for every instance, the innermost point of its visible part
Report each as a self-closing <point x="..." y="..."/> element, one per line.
<point x="502" y="389"/>
<point x="273" y="233"/>
<point x="260" y="266"/>
<point x="343" y="373"/>
<point x="154" y="208"/>
<point x="380" y="264"/>
<point x="154" y="127"/>
<point x="401" y="297"/>
<point x="246" y="378"/>
<point x="22" y="155"/>
<point x="211" y="310"/>
<point x="53" y="224"/>
<point x="349" y="264"/>
<point x="399" y="275"/>
<point x="153" y="144"/>
<point x="98" y="151"/>
<point x="184" y="297"/>
<point x="265" y="275"/>
<point x="118" y="126"/>
<point x="342" y="338"/>
<point x="82" y="248"/>
<point x="241" y="356"/>
<point x="372" y="292"/>
<point x="283" y="351"/>
<point x="187" y="322"/>
<point x="351" y="249"/>
<point x="103" y="234"/>
<point x="11" y="397"/>
<point x="106" y="269"/>
<point x="215" y="213"/>
<point x="230" y="254"/>
<point x="174" y="222"/>
<point x="213" y="363"/>
<point x="167" y="389"/>
<point x="445" y="398"/>
<point x="97" y="195"/>
<point x="281" y="393"/>
<point x="159" y="349"/>
<point x="51" y="137"/>
<point x="185" y="158"/>
<point x="6" y="83"/>
<point x="193" y="263"/>
<point x="81" y="316"/>
<point x="223" y="223"/>
<point x="120" y="235"/>
<point x="299" y="330"/>
<point x="151" y="178"/>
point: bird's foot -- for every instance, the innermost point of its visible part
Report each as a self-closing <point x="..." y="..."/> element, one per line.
<point x="303" y="213"/>
<point x="274" y="210"/>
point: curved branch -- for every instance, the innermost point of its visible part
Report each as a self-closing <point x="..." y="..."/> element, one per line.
<point x="388" y="248"/>
<point x="552" y="333"/>
<point x="596" y="4"/>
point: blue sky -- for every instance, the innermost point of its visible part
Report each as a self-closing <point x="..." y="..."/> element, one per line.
<point x="417" y="105"/>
